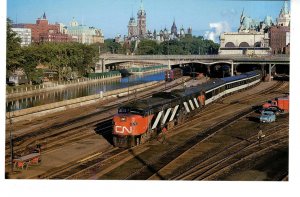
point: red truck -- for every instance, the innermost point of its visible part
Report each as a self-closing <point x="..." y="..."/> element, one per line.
<point x="281" y="102"/>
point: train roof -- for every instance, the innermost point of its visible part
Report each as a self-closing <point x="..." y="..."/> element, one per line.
<point x="234" y="78"/>
<point x="212" y="84"/>
<point x="186" y="91"/>
<point x="241" y="76"/>
<point x="147" y="103"/>
<point x="165" y="95"/>
<point x="252" y="73"/>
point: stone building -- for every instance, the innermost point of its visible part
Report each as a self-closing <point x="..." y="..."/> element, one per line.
<point x="258" y="38"/>
<point x="24" y="34"/>
<point x="141" y="20"/>
<point x="284" y="17"/>
<point x="137" y="30"/>
<point x="132" y="28"/>
<point x="252" y="38"/>
<point x="239" y="43"/>
<point x="83" y="33"/>
<point x="280" y="39"/>
<point x="42" y="31"/>
<point x="280" y="34"/>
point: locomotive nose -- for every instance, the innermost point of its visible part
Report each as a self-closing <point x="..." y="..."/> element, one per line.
<point x="124" y="124"/>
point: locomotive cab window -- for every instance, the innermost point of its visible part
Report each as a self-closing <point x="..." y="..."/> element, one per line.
<point x="137" y="112"/>
<point x="123" y="110"/>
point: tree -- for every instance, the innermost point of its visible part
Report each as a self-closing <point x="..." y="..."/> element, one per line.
<point x="185" y="46"/>
<point x="90" y="57"/>
<point x="13" y="48"/>
<point x="30" y="62"/>
<point x="110" y="46"/>
<point x="148" y="47"/>
<point x="65" y="58"/>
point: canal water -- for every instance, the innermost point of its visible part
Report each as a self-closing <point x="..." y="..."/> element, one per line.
<point x="80" y="91"/>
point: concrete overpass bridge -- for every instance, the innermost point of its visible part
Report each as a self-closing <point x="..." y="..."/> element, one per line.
<point x="266" y="61"/>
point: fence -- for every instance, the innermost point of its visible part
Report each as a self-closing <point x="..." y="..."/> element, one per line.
<point x="105" y="74"/>
<point x="148" y="68"/>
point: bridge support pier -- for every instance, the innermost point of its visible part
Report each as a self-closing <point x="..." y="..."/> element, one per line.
<point x="208" y="70"/>
<point x="262" y="66"/>
<point x="270" y="70"/>
<point x="232" y="69"/>
<point x="103" y="66"/>
<point x="100" y="66"/>
<point x="169" y="65"/>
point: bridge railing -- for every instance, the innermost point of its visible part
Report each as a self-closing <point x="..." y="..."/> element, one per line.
<point x="179" y="57"/>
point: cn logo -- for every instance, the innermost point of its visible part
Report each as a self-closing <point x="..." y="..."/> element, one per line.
<point x="122" y="129"/>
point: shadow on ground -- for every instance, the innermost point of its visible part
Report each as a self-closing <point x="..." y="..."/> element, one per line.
<point x="105" y="129"/>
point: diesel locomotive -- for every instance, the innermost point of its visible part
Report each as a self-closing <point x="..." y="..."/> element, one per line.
<point x="141" y="120"/>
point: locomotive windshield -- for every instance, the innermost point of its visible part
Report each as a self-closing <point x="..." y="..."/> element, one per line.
<point x="126" y="110"/>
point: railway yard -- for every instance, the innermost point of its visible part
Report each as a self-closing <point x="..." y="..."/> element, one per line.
<point x="220" y="142"/>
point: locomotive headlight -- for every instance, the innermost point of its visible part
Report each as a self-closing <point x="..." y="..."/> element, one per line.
<point x="123" y="119"/>
<point x="133" y="123"/>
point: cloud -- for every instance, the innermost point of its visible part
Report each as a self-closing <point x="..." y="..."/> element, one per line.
<point x="216" y="30"/>
<point x="229" y="13"/>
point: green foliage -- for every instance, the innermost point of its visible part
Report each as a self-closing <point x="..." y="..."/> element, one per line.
<point x="186" y="46"/>
<point x="13" y="50"/>
<point x="148" y="47"/>
<point x="29" y="62"/>
<point x="189" y="45"/>
<point x="64" y="58"/>
<point x="110" y="46"/>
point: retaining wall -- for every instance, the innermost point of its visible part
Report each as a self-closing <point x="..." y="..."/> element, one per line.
<point x="31" y="113"/>
<point x="56" y="86"/>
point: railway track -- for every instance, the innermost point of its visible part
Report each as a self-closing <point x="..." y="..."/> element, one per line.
<point x="143" y="173"/>
<point x="254" y="153"/>
<point x="70" y="127"/>
<point x="209" y="113"/>
<point x="201" y="167"/>
<point x="67" y="170"/>
<point x="174" y="152"/>
<point x="96" y="166"/>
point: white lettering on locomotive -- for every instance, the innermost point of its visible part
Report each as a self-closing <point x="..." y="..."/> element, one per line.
<point x="122" y="129"/>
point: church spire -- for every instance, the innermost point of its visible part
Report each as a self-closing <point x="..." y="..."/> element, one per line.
<point x="44" y="16"/>
<point x="285" y="8"/>
<point x="142" y="6"/>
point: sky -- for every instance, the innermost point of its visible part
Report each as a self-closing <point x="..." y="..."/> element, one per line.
<point x="206" y="17"/>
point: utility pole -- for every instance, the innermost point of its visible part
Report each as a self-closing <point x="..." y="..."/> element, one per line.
<point x="128" y="90"/>
<point x="11" y="143"/>
<point x="165" y="85"/>
<point x="168" y="45"/>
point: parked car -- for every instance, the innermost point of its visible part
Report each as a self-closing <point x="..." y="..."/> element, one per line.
<point x="267" y="116"/>
<point x="274" y="109"/>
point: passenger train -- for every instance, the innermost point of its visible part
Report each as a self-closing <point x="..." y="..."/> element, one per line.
<point x="141" y="120"/>
<point x="173" y="74"/>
